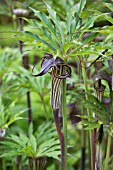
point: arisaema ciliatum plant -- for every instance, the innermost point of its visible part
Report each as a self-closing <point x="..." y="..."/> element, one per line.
<point x="100" y="122"/>
<point x="57" y="36"/>
<point x="59" y="72"/>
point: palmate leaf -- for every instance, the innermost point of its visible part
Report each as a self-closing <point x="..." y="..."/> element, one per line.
<point x="47" y="23"/>
<point x="30" y="147"/>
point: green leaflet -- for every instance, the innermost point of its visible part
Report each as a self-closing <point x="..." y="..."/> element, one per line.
<point x="36" y="37"/>
<point x="73" y="22"/>
<point x="57" y="21"/>
<point x="9" y="143"/>
<point x="109" y="5"/>
<point x="81" y="6"/>
<point x="90" y="37"/>
<point x="90" y="21"/>
<point x="109" y="18"/>
<point x="33" y="143"/>
<point x="109" y="38"/>
<point x="11" y="153"/>
<point x="54" y="154"/>
<point x="45" y="32"/>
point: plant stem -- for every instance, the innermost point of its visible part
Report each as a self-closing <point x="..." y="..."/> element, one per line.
<point x="29" y="107"/>
<point x="60" y="136"/>
<point x="89" y="114"/>
<point x="3" y="164"/>
<point x="64" y="113"/>
<point x="83" y="140"/>
<point x="107" y="153"/>
<point x="34" y="164"/>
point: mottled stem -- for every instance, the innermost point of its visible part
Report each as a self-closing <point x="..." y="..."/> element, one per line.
<point x="60" y="136"/>
<point x="25" y="62"/>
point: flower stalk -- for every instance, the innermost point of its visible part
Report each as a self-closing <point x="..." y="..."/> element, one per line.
<point x="60" y="136"/>
<point x="64" y="113"/>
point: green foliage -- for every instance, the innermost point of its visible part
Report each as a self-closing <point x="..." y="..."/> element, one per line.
<point x="94" y="105"/>
<point x="56" y="32"/>
<point x="78" y="31"/>
<point x="43" y="143"/>
<point x="7" y="115"/>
